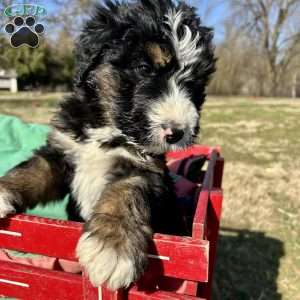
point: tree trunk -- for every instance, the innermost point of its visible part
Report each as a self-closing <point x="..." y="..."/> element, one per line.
<point x="294" y="85"/>
<point x="274" y="84"/>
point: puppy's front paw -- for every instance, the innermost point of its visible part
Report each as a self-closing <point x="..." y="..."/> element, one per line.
<point x="6" y="202"/>
<point x="117" y="266"/>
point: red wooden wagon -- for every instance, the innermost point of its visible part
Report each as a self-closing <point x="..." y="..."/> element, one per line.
<point x="180" y="267"/>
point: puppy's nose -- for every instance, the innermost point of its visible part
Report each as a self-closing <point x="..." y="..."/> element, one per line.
<point x="174" y="135"/>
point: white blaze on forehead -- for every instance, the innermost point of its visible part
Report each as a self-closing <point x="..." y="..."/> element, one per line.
<point x="186" y="47"/>
<point x="175" y="107"/>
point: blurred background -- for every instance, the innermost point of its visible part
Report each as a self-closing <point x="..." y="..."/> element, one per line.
<point x="252" y="112"/>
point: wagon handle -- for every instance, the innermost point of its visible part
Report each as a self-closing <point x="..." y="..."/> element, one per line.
<point x="203" y="198"/>
<point x="209" y="176"/>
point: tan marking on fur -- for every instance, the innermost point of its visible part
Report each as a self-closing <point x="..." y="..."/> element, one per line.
<point x="114" y="248"/>
<point x="34" y="181"/>
<point x="119" y="200"/>
<point x="109" y="87"/>
<point x="159" y="55"/>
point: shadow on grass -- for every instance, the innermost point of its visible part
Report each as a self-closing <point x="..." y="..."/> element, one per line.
<point x="247" y="266"/>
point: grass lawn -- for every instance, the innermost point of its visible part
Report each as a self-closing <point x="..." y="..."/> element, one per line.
<point x="259" y="247"/>
<point x="31" y="107"/>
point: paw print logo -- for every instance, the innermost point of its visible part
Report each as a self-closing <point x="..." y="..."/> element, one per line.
<point x="24" y="32"/>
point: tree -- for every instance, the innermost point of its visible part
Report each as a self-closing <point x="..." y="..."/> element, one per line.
<point x="240" y="67"/>
<point x="28" y="62"/>
<point x="274" y="25"/>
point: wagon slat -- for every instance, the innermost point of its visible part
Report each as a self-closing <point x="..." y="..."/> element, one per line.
<point x="172" y="256"/>
<point x="27" y="283"/>
<point x="186" y="262"/>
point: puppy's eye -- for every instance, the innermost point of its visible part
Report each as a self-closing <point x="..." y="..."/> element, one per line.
<point x="190" y="84"/>
<point x="144" y="69"/>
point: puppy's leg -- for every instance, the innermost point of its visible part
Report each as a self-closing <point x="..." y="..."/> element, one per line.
<point x="39" y="179"/>
<point x="113" y="248"/>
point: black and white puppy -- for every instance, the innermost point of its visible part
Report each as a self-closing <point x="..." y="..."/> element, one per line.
<point x="142" y="69"/>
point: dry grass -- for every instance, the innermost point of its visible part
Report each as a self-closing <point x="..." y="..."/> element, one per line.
<point x="259" y="247"/>
<point x="31" y="107"/>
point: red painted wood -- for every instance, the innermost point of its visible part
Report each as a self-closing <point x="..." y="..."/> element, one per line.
<point x="191" y="288"/>
<point x="89" y="291"/>
<point x="178" y="286"/>
<point x="199" y="222"/>
<point x="192" y="151"/>
<point x="200" y="216"/>
<point x="42" y="284"/>
<point x="219" y="172"/>
<point x="59" y="239"/>
<point x="134" y="294"/>
<point x="181" y="258"/>
<point x="109" y="295"/>
<point x="48" y="237"/>
<point x="101" y="293"/>
<point x="213" y="223"/>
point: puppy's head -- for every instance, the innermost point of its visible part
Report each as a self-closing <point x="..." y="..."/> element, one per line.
<point x="147" y="63"/>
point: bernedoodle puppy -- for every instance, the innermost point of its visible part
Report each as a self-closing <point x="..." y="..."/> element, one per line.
<point x="142" y="69"/>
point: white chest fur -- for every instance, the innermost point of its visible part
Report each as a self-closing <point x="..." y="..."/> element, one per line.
<point x="92" y="170"/>
<point x="92" y="165"/>
<point x="90" y="178"/>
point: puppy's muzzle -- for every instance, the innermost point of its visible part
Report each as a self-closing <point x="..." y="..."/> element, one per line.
<point x="172" y="135"/>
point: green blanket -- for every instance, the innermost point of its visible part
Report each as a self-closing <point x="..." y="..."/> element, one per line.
<point x="17" y="142"/>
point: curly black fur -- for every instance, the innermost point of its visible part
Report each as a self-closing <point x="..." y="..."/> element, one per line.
<point x="141" y="74"/>
<point x="116" y="35"/>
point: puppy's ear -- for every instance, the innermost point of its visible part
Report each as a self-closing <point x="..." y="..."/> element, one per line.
<point x="93" y="40"/>
<point x="206" y="65"/>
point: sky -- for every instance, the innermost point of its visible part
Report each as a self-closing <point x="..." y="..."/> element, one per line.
<point x="212" y="15"/>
